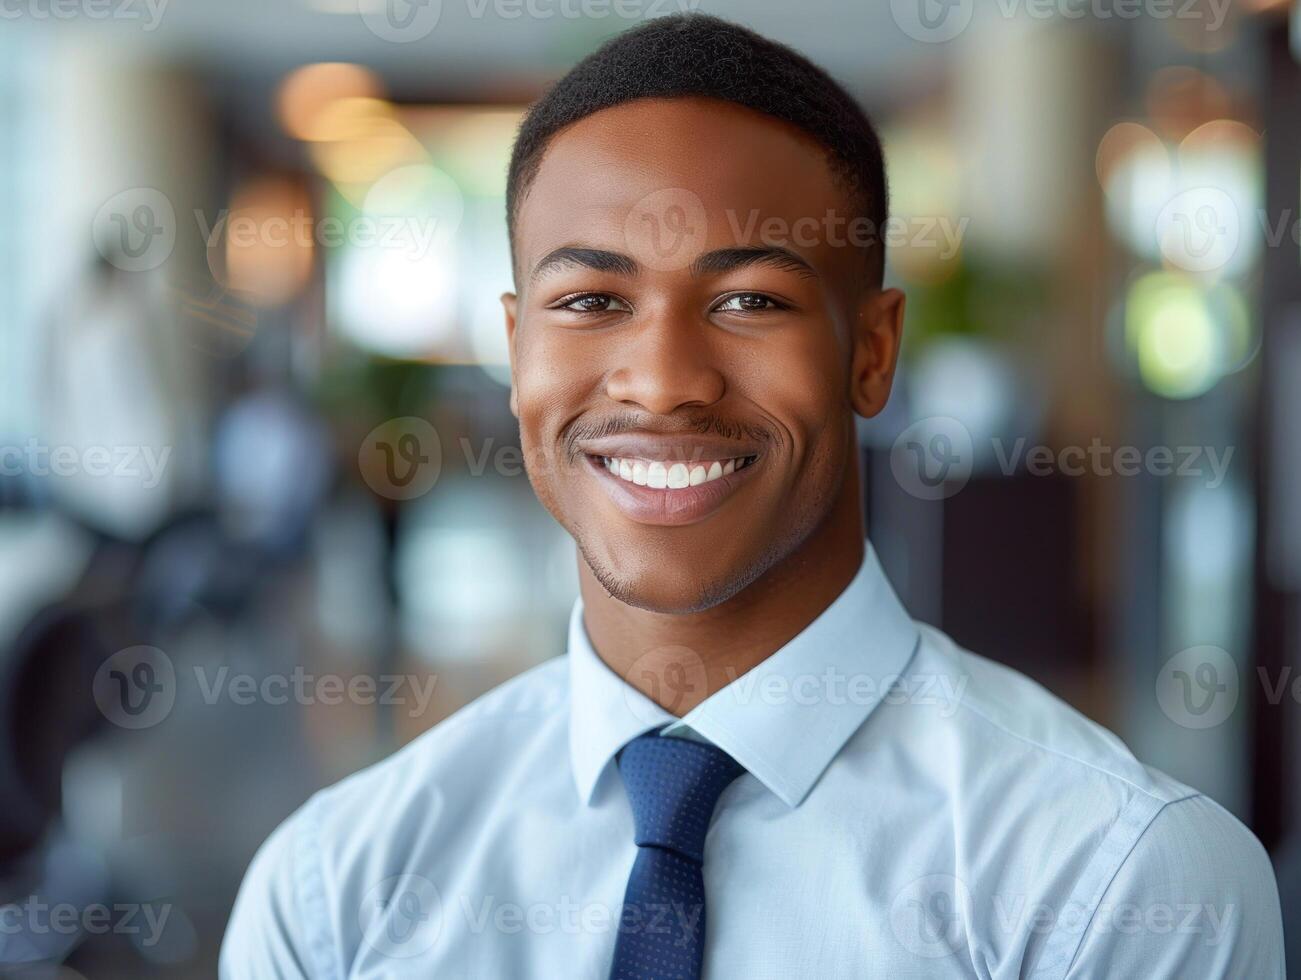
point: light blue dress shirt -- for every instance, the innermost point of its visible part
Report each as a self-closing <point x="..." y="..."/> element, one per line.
<point x="908" y="809"/>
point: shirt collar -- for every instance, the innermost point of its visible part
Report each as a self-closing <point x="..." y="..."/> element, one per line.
<point x="784" y="720"/>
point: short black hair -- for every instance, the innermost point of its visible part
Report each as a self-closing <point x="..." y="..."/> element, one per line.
<point x="699" y="55"/>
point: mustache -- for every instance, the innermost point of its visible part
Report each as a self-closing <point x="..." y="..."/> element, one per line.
<point x="700" y="424"/>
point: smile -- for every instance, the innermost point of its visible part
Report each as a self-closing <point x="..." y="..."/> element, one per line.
<point x="668" y="494"/>
<point x="671" y="476"/>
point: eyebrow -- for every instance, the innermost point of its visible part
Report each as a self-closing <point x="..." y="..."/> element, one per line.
<point x="597" y="259"/>
<point x="719" y="261"/>
<point x="729" y="259"/>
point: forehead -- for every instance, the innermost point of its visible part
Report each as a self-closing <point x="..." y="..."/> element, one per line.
<point x="743" y="168"/>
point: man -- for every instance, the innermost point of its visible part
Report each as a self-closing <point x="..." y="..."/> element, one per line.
<point x="752" y="763"/>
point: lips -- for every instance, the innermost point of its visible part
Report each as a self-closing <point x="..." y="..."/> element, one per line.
<point x="661" y="498"/>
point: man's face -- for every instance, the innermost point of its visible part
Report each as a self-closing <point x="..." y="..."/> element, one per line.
<point x="688" y="345"/>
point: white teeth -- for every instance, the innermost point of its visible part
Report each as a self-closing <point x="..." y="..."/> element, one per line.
<point x="659" y="476"/>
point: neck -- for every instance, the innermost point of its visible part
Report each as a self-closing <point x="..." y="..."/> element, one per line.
<point x="678" y="660"/>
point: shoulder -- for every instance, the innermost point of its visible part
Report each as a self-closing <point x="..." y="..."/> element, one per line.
<point x="291" y="917"/>
<point x="1015" y="724"/>
<point x="1228" y="855"/>
<point x="1028" y="774"/>
<point x="1195" y="897"/>
<point x="1100" y="859"/>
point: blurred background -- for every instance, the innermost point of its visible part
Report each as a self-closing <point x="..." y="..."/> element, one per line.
<point x="263" y="516"/>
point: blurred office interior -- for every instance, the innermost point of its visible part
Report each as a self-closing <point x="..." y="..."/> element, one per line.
<point x="253" y="400"/>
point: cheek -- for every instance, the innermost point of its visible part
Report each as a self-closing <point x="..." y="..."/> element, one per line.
<point x="539" y="385"/>
<point x="551" y="383"/>
<point x="804" y="388"/>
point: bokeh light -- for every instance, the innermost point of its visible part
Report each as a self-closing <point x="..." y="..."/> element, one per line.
<point x="306" y="93"/>
<point x="1185" y="335"/>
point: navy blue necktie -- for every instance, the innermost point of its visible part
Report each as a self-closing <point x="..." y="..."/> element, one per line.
<point x="672" y="784"/>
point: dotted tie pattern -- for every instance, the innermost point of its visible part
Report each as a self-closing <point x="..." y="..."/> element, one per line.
<point x="673" y="785"/>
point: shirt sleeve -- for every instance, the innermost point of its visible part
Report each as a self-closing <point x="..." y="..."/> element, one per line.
<point x="1195" y="898"/>
<point x="267" y="936"/>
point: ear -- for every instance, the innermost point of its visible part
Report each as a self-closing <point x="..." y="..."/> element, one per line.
<point x="878" y="333"/>
<point x="509" y="303"/>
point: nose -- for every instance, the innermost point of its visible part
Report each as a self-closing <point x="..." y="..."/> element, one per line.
<point x="668" y="363"/>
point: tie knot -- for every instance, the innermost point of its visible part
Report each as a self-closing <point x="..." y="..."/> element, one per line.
<point x="673" y="785"/>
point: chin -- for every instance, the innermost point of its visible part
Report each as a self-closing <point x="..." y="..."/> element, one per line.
<point x="676" y="587"/>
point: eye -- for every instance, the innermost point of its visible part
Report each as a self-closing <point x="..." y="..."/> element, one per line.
<point x="593" y="303"/>
<point x="748" y="303"/>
